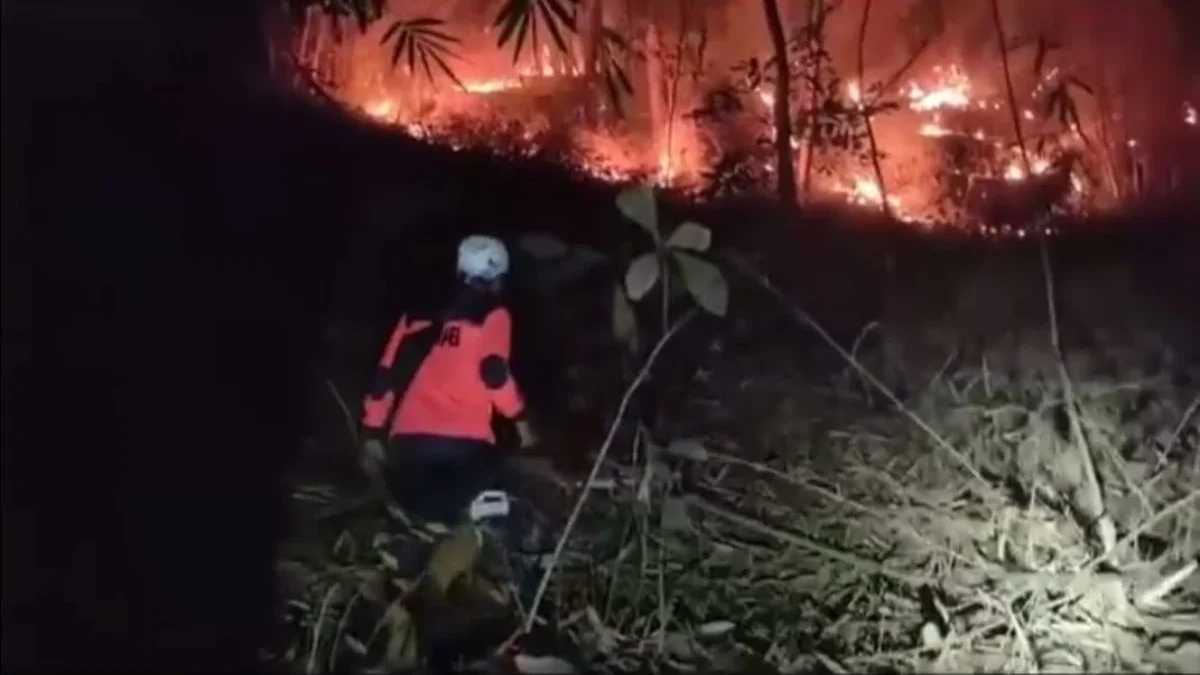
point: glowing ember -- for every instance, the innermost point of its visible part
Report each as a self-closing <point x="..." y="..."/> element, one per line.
<point x="952" y="91"/>
<point x="666" y="168"/>
<point x="490" y="86"/>
<point x="1189" y="114"/>
<point x="854" y="92"/>
<point x="544" y="68"/>
<point x="384" y="110"/>
<point x="942" y="100"/>
<point x="1015" y="172"/>
<point x="934" y="130"/>
<point x="866" y="191"/>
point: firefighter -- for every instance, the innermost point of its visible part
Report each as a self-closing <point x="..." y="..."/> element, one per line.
<point x="435" y="436"/>
<point x="428" y="419"/>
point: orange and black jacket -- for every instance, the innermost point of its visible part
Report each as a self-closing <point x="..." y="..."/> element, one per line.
<point x="463" y="380"/>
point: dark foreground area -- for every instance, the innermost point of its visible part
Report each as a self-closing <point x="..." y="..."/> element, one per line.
<point x="184" y="231"/>
<point x="177" y="253"/>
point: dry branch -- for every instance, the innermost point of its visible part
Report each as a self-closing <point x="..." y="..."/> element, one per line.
<point x="596" y="466"/>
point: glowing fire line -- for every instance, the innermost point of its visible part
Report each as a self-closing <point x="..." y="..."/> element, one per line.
<point x="946" y="91"/>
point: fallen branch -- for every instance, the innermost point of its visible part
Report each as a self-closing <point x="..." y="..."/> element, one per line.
<point x="1163" y="588"/>
<point x="1138" y="531"/>
<point x="1102" y="525"/>
<point x="803" y="542"/>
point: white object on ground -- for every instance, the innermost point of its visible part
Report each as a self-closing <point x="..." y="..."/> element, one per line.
<point x="489" y="504"/>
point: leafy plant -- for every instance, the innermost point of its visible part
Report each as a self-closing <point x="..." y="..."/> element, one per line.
<point x="364" y="12"/>
<point x="672" y="257"/>
<point x="828" y="119"/>
<point x="424" y="43"/>
<point x="675" y="261"/>
<point x="421" y="41"/>
<point x="1060" y="99"/>
<point x="520" y="20"/>
<point x="612" y="49"/>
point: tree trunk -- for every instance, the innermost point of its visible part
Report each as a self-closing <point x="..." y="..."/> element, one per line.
<point x="301" y="47"/>
<point x="654" y="90"/>
<point x="785" y="171"/>
<point x="816" y="31"/>
<point x="1008" y="87"/>
<point x="593" y="33"/>
<point x="672" y="93"/>
<point x="866" y="116"/>
<point x="319" y="52"/>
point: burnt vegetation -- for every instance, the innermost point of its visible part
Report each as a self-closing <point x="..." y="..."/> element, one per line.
<point x="846" y="430"/>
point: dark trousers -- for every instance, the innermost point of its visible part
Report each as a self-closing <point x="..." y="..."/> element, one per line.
<point x="434" y="478"/>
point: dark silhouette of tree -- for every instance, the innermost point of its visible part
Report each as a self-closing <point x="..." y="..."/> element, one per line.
<point x="785" y="170"/>
<point x="422" y="43"/>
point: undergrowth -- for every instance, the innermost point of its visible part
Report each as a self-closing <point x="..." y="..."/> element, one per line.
<point x="790" y="520"/>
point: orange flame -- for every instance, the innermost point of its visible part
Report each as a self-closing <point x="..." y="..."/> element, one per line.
<point x="937" y="100"/>
<point x="854" y="92"/>
<point x="952" y="91"/>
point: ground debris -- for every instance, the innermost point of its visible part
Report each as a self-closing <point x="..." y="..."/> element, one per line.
<point x="819" y="530"/>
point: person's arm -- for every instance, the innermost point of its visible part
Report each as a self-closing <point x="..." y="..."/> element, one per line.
<point x="379" y="399"/>
<point x="494" y="366"/>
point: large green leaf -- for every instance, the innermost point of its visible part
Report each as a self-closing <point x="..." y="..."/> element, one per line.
<point x="422" y="43"/>
<point x="637" y="204"/>
<point x="641" y="275"/>
<point x="521" y="19"/>
<point x="453" y="557"/>
<point x="704" y="282"/>
<point x="690" y="236"/>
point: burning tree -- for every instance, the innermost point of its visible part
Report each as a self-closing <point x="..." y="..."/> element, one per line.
<point x="668" y="92"/>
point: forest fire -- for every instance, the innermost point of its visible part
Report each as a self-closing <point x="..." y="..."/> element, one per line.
<point x="944" y="137"/>
<point x="952" y="92"/>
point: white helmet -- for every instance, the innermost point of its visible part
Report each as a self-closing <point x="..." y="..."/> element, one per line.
<point x="483" y="258"/>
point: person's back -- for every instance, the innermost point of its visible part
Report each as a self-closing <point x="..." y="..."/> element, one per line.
<point x="429" y="420"/>
<point x="463" y="380"/>
<point x="437" y="435"/>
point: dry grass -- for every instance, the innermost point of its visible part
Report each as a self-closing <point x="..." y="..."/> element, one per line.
<point x="823" y="522"/>
<point x="903" y="558"/>
<point x="862" y="545"/>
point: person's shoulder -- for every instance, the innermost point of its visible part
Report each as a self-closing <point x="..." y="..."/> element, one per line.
<point x="500" y="309"/>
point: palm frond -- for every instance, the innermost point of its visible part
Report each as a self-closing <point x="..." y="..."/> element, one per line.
<point x="423" y="43"/>
<point x="520" y="20"/>
<point x="617" y="84"/>
<point x="364" y="12"/>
